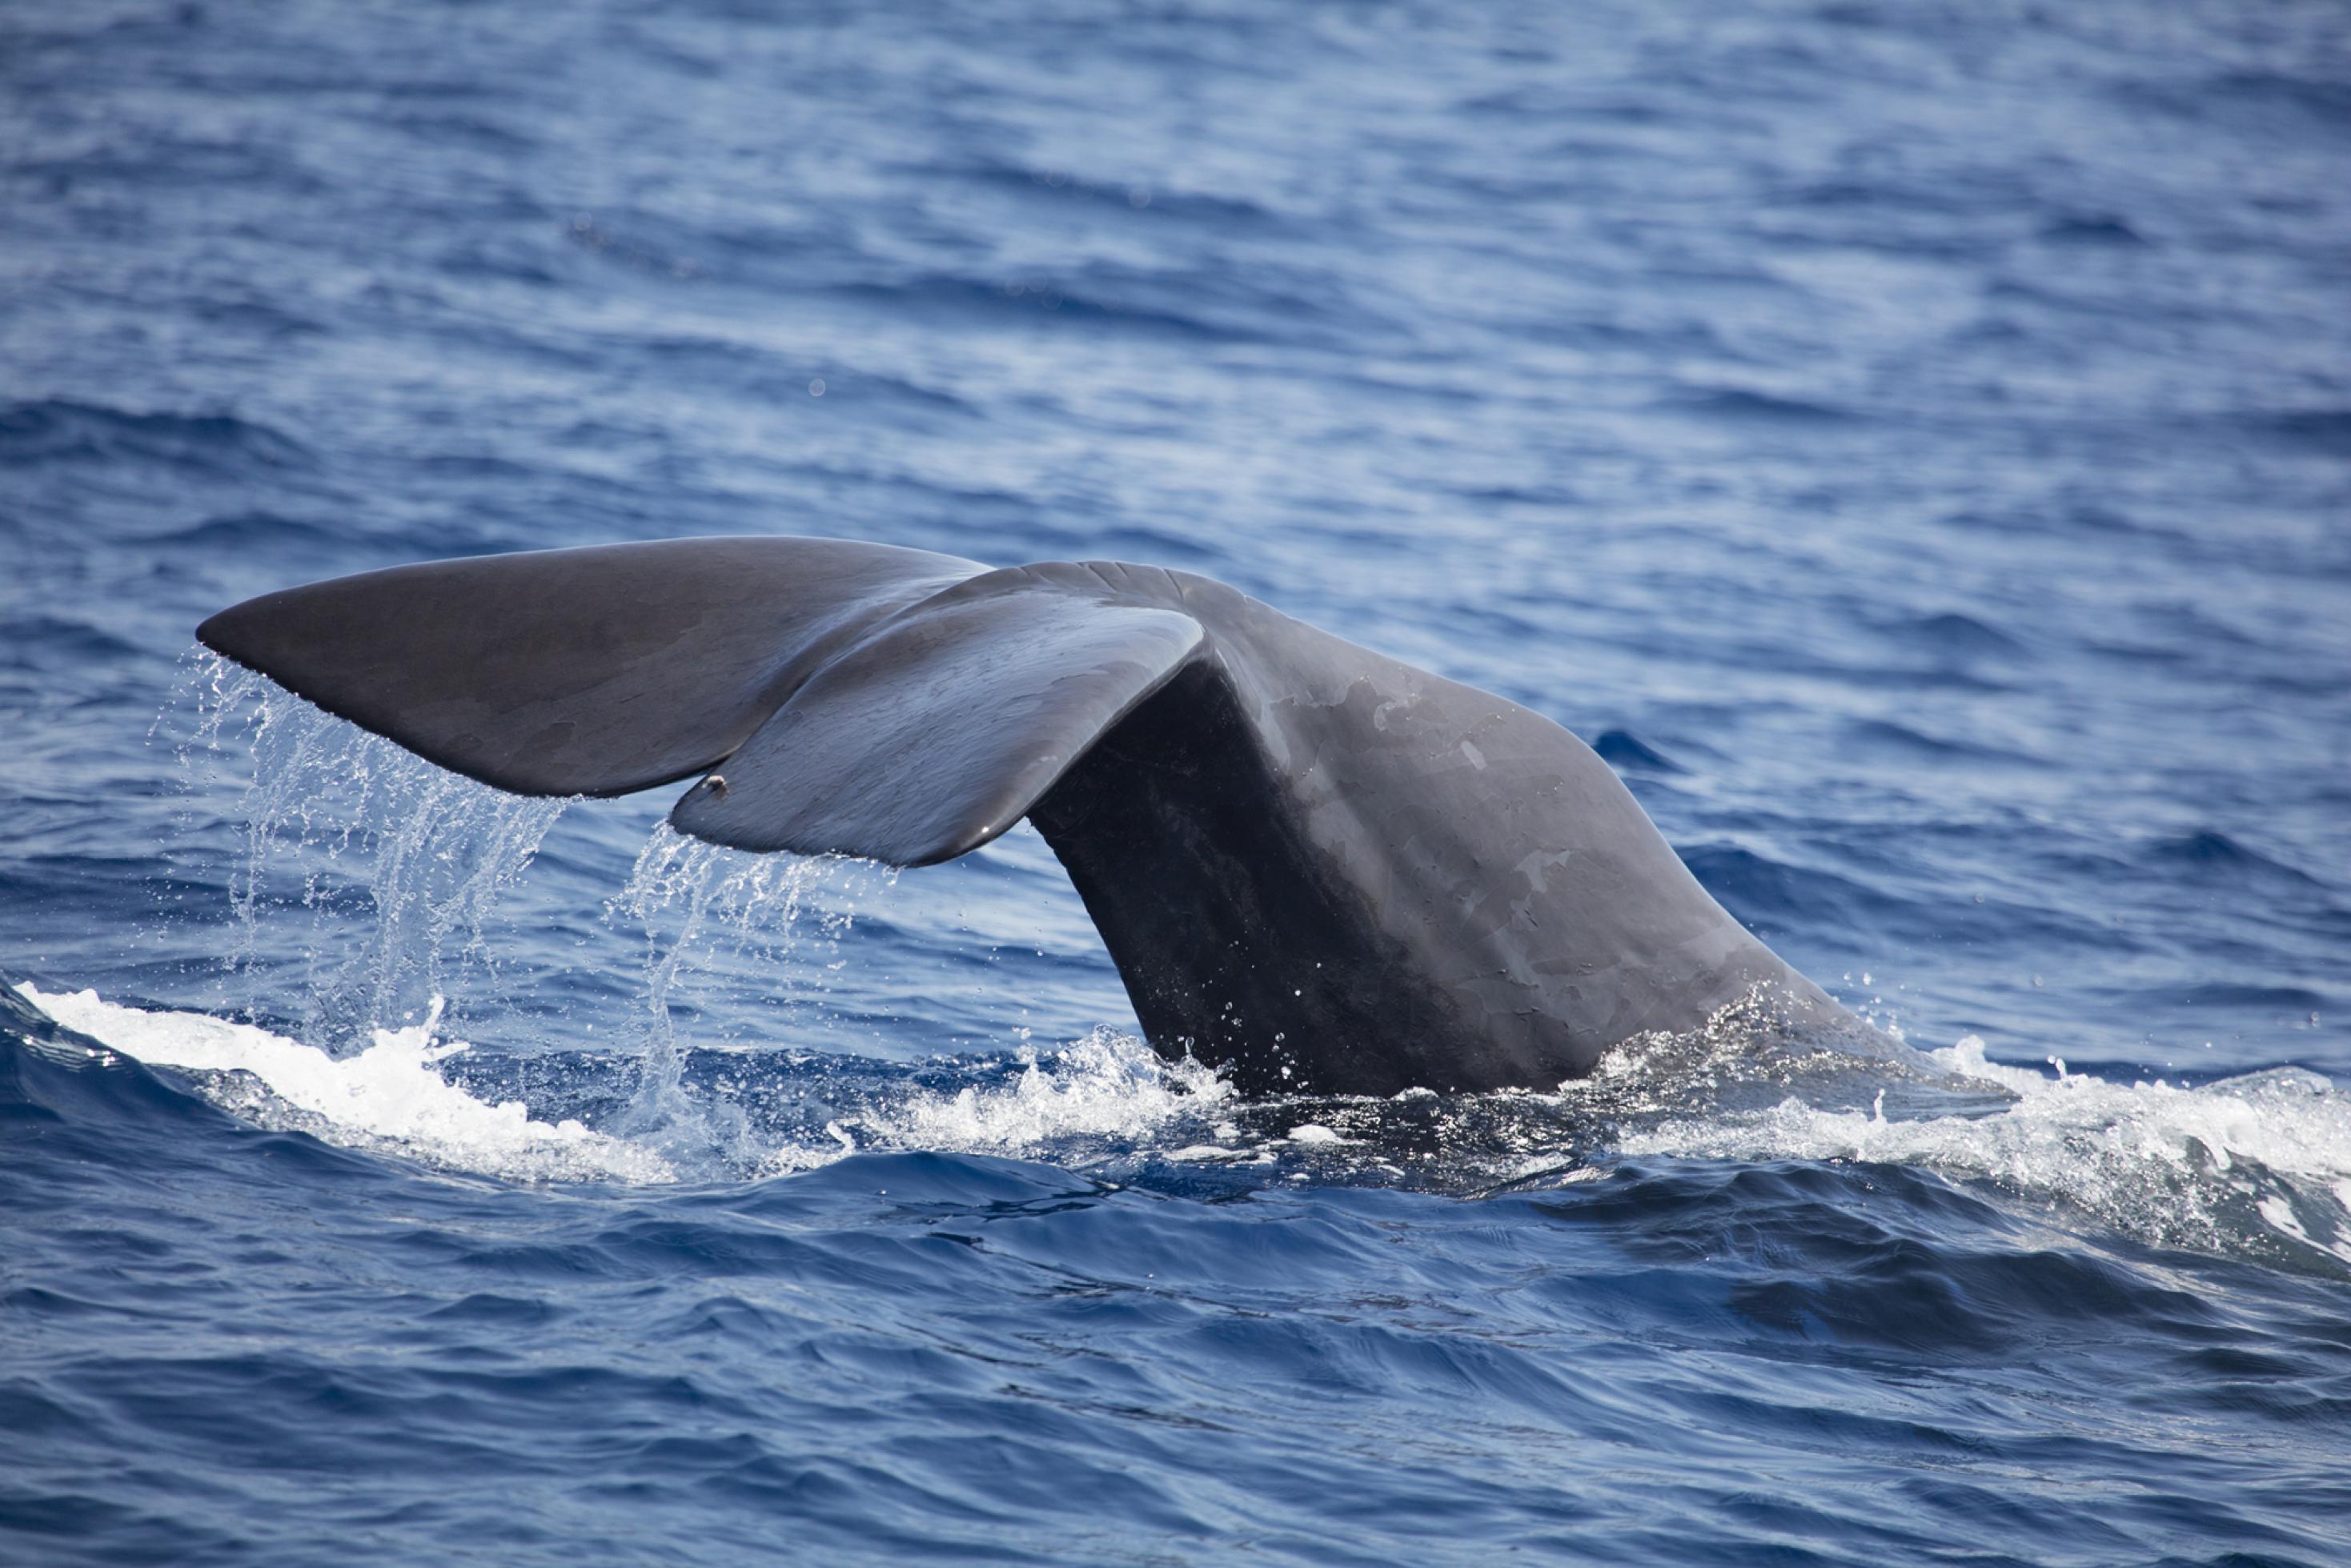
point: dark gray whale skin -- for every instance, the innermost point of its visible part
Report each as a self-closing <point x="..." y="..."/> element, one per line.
<point x="1329" y="870"/>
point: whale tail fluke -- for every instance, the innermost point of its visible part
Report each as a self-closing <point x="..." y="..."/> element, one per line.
<point x="1336" y="872"/>
<point x="856" y="698"/>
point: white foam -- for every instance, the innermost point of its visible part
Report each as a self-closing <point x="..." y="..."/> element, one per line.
<point x="2156" y="1159"/>
<point x="388" y="1097"/>
<point x="1105" y="1085"/>
<point x="2269" y="1152"/>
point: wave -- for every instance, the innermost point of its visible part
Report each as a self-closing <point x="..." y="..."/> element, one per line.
<point x="255" y="531"/>
<point x="1621" y="748"/>
<point x="39" y="639"/>
<point x="1764" y="892"/>
<point x="2265" y="1155"/>
<point x="59" y="430"/>
<point x="1739" y="407"/>
<point x="1222" y="213"/>
<point x="2209" y="852"/>
<point x="2326" y="430"/>
<point x="387" y="1099"/>
<point x="1096" y="302"/>
<point x="1956" y="636"/>
<point x="2092" y="230"/>
<point x="1889" y="737"/>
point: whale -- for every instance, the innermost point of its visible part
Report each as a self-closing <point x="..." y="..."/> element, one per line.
<point x="1318" y="868"/>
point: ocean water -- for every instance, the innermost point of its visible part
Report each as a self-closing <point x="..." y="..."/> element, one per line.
<point x="1913" y="441"/>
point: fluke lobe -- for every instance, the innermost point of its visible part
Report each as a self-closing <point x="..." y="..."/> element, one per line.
<point x="1332" y="870"/>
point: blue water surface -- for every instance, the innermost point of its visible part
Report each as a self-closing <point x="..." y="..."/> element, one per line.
<point x="1911" y="442"/>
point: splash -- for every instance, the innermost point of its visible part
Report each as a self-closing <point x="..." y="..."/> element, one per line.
<point x="706" y="911"/>
<point x="1104" y="1093"/>
<point x="1105" y="1088"/>
<point x="2202" y="1167"/>
<point x="339" y="822"/>
<point x="774" y="924"/>
<point x="387" y="1099"/>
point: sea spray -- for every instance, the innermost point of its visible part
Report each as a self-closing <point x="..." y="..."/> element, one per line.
<point x="708" y="911"/>
<point x="397" y="864"/>
<point x="1104" y="1093"/>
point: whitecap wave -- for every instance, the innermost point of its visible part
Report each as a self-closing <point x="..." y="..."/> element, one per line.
<point x="2168" y="1162"/>
<point x="387" y="1098"/>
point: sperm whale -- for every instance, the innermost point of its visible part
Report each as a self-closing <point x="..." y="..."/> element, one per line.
<point x="1320" y="867"/>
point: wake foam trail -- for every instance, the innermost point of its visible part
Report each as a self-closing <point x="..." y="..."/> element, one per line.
<point x="2199" y="1167"/>
<point x="386" y="1099"/>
